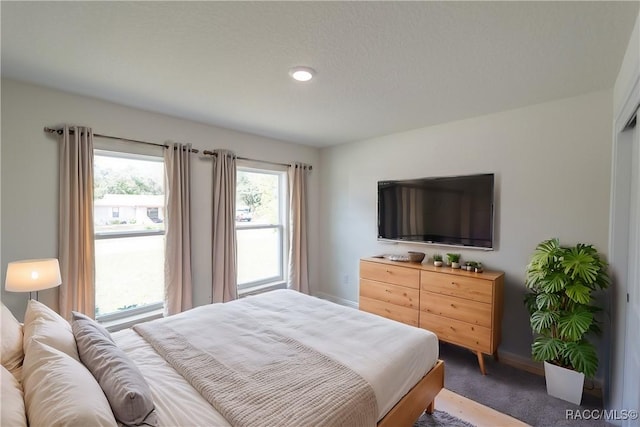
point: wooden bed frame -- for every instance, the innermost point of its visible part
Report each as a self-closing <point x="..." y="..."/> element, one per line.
<point x="420" y="398"/>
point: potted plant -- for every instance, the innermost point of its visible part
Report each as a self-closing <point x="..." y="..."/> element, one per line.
<point x="478" y="268"/>
<point x="454" y="260"/>
<point x="437" y="260"/>
<point x="561" y="281"/>
<point x="470" y="265"/>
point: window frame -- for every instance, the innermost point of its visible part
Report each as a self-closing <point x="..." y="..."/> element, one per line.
<point x="120" y="151"/>
<point x="282" y="226"/>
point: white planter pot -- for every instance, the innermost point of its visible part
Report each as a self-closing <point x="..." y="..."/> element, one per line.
<point x="563" y="383"/>
<point x="455" y="265"/>
<point x="437" y="263"/>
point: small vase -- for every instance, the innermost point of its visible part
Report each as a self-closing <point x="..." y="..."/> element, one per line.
<point x="437" y="263"/>
<point x="455" y="265"/>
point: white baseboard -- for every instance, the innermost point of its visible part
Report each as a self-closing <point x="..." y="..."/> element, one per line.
<point x="337" y="300"/>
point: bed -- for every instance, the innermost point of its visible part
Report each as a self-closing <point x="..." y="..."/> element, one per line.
<point x="201" y="367"/>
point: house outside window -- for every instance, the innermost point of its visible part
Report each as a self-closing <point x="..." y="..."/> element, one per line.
<point x="261" y="218"/>
<point x="129" y="248"/>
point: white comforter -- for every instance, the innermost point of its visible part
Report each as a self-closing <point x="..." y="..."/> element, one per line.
<point x="391" y="356"/>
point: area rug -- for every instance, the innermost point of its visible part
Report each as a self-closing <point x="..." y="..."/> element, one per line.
<point x="440" y="419"/>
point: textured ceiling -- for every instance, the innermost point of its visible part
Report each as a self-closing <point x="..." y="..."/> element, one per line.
<point x="382" y="67"/>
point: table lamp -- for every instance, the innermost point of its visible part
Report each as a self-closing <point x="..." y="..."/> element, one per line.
<point x="31" y="275"/>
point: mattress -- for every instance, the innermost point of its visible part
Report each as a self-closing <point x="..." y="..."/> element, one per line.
<point x="391" y="356"/>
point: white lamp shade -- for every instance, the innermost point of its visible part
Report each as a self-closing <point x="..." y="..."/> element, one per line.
<point x="32" y="275"/>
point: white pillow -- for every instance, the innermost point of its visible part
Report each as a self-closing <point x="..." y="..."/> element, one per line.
<point x="13" y="413"/>
<point x="12" y="353"/>
<point x="59" y="391"/>
<point x="48" y="327"/>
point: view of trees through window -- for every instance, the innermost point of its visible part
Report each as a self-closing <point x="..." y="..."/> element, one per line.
<point x="259" y="226"/>
<point x="129" y="246"/>
<point x="257" y="193"/>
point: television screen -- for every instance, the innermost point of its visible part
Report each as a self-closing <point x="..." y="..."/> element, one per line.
<point x="454" y="211"/>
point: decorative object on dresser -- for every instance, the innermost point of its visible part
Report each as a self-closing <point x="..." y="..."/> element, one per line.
<point x="437" y="260"/>
<point x="416" y="256"/>
<point x="461" y="307"/>
<point x="454" y="260"/>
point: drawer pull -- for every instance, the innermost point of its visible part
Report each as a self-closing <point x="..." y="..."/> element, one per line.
<point x="387" y="291"/>
<point x="453" y="305"/>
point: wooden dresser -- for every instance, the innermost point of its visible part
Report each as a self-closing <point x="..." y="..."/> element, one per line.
<point x="460" y="307"/>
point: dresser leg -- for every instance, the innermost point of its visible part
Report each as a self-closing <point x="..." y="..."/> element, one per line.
<point x="481" y="362"/>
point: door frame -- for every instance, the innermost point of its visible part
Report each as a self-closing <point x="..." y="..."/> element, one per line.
<point x="619" y="245"/>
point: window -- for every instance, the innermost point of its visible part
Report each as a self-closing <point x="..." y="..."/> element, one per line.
<point x="260" y="226"/>
<point x="129" y="233"/>
<point x="152" y="213"/>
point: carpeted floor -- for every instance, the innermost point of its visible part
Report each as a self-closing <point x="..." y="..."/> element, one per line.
<point x="440" y="419"/>
<point x="511" y="391"/>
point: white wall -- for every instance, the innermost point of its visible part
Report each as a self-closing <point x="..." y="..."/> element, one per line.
<point x="30" y="173"/>
<point x="552" y="165"/>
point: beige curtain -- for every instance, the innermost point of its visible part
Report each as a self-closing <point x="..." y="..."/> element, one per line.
<point x="75" y="238"/>
<point x="177" y="262"/>
<point x="298" y="257"/>
<point x="223" y="249"/>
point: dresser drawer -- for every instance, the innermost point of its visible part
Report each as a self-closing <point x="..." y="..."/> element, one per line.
<point x="390" y="311"/>
<point x="409" y="277"/>
<point x="478" y="313"/>
<point x="394" y="294"/>
<point x="454" y="331"/>
<point x="471" y="288"/>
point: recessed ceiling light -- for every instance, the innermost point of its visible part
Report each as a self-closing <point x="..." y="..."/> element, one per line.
<point x="302" y="74"/>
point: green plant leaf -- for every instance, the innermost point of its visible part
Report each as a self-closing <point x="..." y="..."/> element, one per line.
<point x="534" y="277"/>
<point x="573" y="325"/>
<point x="542" y="320"/>
<point x="547" y="301"/>
<point x="547" y="348"/>
<point x="580" y="262"/>
<point x="530" y="302"/>
<point x="583" y="357"/>
<point x="578" y="293"/>
<point x="554" y="282"/>
<point x="545" y="254"/>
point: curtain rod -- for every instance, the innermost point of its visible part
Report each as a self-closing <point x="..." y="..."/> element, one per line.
<point x="193" y="150"/>
<point x="59" y="132"/>
<point x="211" y="153"/>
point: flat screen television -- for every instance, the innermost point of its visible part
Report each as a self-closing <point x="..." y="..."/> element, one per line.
<point x="455" y="211"/>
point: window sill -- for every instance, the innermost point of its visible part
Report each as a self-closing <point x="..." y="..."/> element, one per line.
<point x="129" y="321"/>
<point x="254" y="290"/>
